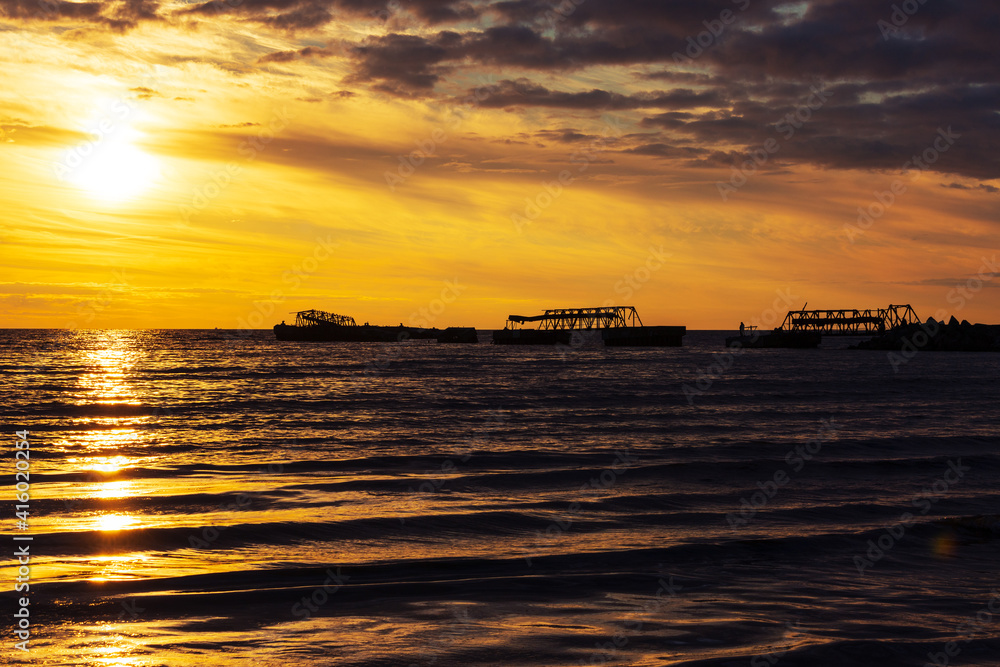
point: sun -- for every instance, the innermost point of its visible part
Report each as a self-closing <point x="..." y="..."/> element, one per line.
<point x="115" y="170"/>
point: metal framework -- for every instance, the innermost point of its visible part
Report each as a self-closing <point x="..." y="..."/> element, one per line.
<point x="313" y="318"/>
<point x="610" y="317"/>
<point x="849" y="322"/>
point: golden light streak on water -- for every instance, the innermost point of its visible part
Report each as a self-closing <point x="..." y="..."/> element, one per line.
<point x="114" y="522"/>
<point x="109" y="369"/>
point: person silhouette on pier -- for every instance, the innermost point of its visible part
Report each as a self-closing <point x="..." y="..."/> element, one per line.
<point x="742" y="328"/>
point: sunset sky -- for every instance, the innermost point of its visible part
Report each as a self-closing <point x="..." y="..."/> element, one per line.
<point x="220" y="164"/>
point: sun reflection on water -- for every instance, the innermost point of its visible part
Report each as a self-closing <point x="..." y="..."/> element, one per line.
<point x="108" y="369"/>
<point x="119" y="489"/>
<point x="107" y="380"/>
<point x="112" y="522"/>
<point x="117" y="567"/>
<point x="118" y="649"/>
<point x="110" y="463"/>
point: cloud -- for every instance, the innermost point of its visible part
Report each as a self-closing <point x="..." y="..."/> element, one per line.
<point x="756" y="66"/>
<point x="524" y="93"/>
<point x="43" y="135"/>
<point x="981" y="186"/>
<point x="566" y="136"/>
<point x="668" y="151"/>
<point x="888" y="96"/>
<point x="288" y="56"/>
<point x="51" y="10"/>
<point x="293" y="15"/>
<point x="401" y="60"/>
<point x="118" y="16"/>
<point x="144" y="93"/>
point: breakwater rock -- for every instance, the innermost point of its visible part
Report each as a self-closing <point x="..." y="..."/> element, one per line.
<point x="951" y="336"/>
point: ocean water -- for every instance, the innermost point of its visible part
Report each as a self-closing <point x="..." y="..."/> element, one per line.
<point x="199" y="498"/>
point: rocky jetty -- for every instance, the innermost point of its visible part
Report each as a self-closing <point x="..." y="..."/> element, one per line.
<point x="951" y="336"/>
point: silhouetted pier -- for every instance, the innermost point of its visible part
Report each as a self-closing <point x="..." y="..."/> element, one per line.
<point x="848" y="322"/>
<point x="609" y="317"/>
<point x="319" y="325"/>
<point x="305" y="318"/>
<point x="619" y="326"/>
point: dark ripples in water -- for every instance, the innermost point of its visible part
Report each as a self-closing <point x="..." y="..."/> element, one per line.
<point x="200" y="501"/>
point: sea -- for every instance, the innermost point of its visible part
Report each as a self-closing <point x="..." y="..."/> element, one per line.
<point x="202" y="498"/>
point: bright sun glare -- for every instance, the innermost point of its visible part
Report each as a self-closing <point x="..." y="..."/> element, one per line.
<point x="115" y="171"/>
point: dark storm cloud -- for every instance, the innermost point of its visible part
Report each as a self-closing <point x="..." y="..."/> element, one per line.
<point x="981" y="186"/>
<point x="843" y="133"/>
<point x="255" y="7"/>
<point x="564" y="136"/>
<point x="407" y="60"/>
<point x="50" y="10"/>
<point x="894" y="79"/>
<point x="668" y="151"/>
<point x="524" y="93"/>
<point x="431" y="12"/>
<point x="675" y="16"/>
<point x="307" y="14"/>
<point x="288" y="56"/>
<point x="832" y="40"/>
<point x="113" y="15"/>
<point x="722" y="74"/>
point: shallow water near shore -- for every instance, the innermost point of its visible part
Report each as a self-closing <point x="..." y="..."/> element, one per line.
<point x="204" y="499"/>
